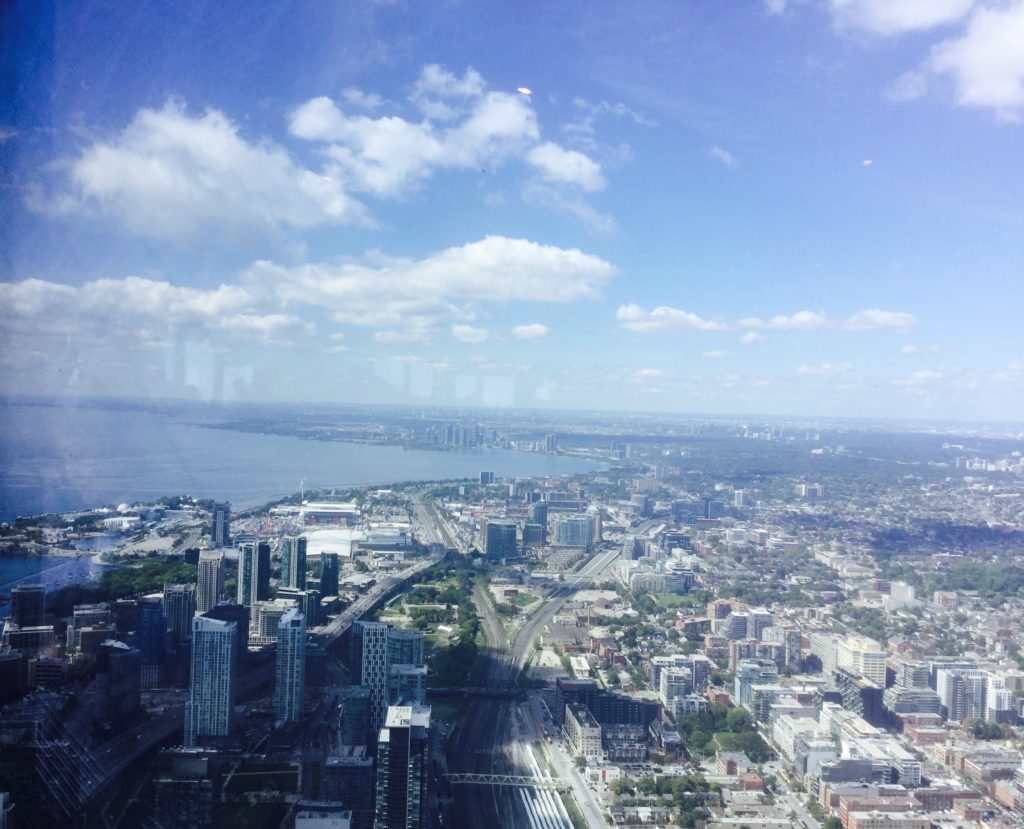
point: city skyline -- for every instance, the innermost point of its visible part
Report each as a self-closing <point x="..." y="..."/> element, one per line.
<point x="786" y="208"/>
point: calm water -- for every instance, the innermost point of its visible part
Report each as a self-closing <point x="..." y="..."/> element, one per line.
<point x="53" y="571"/>
<point x="63" y="457"/>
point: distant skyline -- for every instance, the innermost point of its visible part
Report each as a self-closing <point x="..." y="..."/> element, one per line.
<point x="802" y="207"/>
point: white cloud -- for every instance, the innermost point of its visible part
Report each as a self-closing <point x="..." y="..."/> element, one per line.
<point x="554" y="199"/>
<point x="403" y="300"/>
<point x="366" y="100"/>
<point x="723" y="155"/>
<point x="469" y="334"/>
<point x="647" y="374"/>
<point x="775" y="6"/>
<point x="800" y="321"/>
<point x="875" y="318"/>
<point x="171" y="175"/>
<point x="896" y="17"/>
<point x="663" y="318"/>
<point x="987" y="62"/>
<point x="750" y="338"/>
<point x="824" y="369"/>
<point x="907" y="87"/>
<point x="389" y="156"/>
<point x="437" y="91"/>
<point x="714" y="355"/>
<point x="566" y="166"/>
<point x="922" y="377"/>
<point x="533" y="331"/>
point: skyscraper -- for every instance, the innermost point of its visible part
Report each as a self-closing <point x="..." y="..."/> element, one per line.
<point x="403" y="768"/>
<point x="370" y="662"/>
<point x="329" y="569"/>
<point x="211" y="694"/>
<point x="293" y="561"/>
<point x="210" y="577"/>
<point x="240" y="616"/>
<point x="253" y="573"/>
<point x="290" y="675"/>
<point x="500" y="540"/>
<point x="28" y="605"/>
<point x="151" y="635"/>
<point x="220" y="525"/>
<point x="180" y="607"/>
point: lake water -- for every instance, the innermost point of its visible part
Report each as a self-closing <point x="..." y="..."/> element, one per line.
<point x="52" y="571"/>
<point x="64" y="456"/>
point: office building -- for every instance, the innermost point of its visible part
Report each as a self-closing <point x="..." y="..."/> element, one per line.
<point x="486" y="478"/>
<point x="28" y="605"/>
<point x="220" y="525"/>
<point x="403" y="768"/>
<point x="582" y="732"/>
<point x="290" y="674"/>
<point x="180" y="607"/>
<point x="209" y="712"/>
<point x="355" y="716"/>
<point x="500" y="539"/>
<point x="293" y="562"/>
<point x="152" y="636"/>
<point x="329" y="569"/>
<point x="539" y="514"/>
<point x="348" y="778"/>
<point x="210" y="580"/>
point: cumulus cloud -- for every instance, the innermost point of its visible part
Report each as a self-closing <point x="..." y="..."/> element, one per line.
<point x="986" y="63"/>
<point x="469" y="334"/>
<point x="896" y="17"/>
<point x="533" y="331"/>
<point x="558" y="164"/>
<point x="172" y="175"/>
<point x="715" y="354"/>
<point x="800" y="321"/>
<point x="403" y="300"/>
<point x="663" y="318"/>
<point x="875" y="318"/>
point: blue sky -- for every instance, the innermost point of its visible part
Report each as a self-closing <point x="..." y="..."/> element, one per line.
<point x="789" y="207"/>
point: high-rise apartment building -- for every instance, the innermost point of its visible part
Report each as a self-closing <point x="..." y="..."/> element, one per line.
<point x="403" y="768"/>
<point x="862" y="657"/>
<point x="376" y="648"/>
<point x="210" y="580"/>
<point x="209" y="711"/>
<point x="293" y="562"/>
<point x="240" y="616"/>
<point x="220" y="525"/>
<point x="253" y="573"/>
<point x="574" y="531"/>
<point x="180" y="607"/>
<point x="290" y="674"/>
